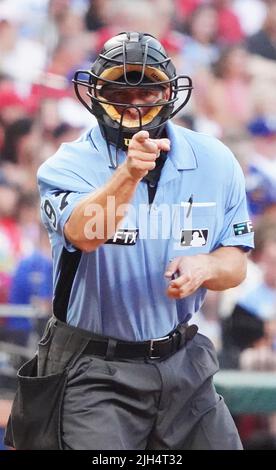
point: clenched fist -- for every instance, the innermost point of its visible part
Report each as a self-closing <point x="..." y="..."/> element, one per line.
<point x="142" y="154"/>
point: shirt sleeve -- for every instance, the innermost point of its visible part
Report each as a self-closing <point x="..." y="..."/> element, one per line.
<point x="61" y="190"/>
<point x="237" y="228"/>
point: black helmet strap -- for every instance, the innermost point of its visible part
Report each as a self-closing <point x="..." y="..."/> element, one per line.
<point x="130" y="55"/>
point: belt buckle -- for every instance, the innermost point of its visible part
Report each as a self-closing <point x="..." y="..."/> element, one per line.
<point x="156" y="340"/>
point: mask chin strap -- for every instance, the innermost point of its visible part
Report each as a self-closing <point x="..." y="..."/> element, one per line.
<point x="112" y="164"/>
<point x="120" y="135"/>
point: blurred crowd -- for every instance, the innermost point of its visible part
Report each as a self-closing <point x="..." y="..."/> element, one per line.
<point x="228" y="47"/>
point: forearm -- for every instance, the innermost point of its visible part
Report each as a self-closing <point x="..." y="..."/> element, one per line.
<point x="105" y="207"/>
<point x="100" y="209"/>
<point x="225" y="268"/>
<point x="220" y="270"/>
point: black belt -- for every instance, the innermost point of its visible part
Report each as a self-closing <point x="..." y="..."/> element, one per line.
<point x="158" y="348"/>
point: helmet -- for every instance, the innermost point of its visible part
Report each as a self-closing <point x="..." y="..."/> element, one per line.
<point x="130" y="60"/>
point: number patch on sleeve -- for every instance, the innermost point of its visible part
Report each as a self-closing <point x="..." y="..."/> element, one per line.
<point x="64" y="201"/>
<point x="50" y="212"/>
<point x="53" y="206"/>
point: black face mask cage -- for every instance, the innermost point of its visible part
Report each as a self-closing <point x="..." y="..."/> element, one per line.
<point x="92" y="91"/>
<point x="90" y="84"/>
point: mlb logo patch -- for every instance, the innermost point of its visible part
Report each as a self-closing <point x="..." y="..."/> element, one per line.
<point x="196" y="237"/>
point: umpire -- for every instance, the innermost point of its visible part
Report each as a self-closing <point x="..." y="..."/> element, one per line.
<point x="143" y="216"/>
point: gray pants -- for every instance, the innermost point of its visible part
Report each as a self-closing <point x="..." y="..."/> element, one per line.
<point x="135" y="405"/>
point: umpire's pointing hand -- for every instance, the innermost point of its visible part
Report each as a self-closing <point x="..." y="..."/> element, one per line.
<point x="142" y="154"/>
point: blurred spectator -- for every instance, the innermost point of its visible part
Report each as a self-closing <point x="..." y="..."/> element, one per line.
<point x="13" y="106"/>
<point x="263" y="76"/>
<point x="30" y="284"/>
<point x="19" y="154"/>
<point x="263" y="42"/>
<point x="5" y="282"/>
<point x="229" y="28"/>
<point x="29" y="221"/>
<point x="62" y="132"/>
<point x="95" y="15"/>
<point x="137" y="15"/>
<point x="32" y="280"/>
<point x="65" y="133"/>
<point x="31" y="14"/>
<point x="10" y="236"/>
<point x="65" y="19"/>
<point x="61" y="118"/>
<point x="184" y="8"/>
<point x="261" y="172"/>
<point x="228" y="100"/>
<point x="250" y="23"/>
<point x="18" y="140"/>
<point x="208" y="321"/>
<point x="249" y="333"/>
<point x="68" y="55"/>
<point x="20" y="58"/>
<point x="56" y="11"/>
<point x="200" y="48"/>
<point x="71" y="26"/>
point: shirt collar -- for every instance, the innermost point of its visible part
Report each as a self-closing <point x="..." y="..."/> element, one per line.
<point x="98" y="142"/>
<point x="181" y="154"/>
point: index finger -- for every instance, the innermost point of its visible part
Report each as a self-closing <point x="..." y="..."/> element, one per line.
<point x="141" y="136"/>
<point x="180" y="280"/>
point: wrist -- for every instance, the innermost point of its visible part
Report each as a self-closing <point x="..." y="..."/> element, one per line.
<point x="127" y="175"/>
<point x="206" y="263"/>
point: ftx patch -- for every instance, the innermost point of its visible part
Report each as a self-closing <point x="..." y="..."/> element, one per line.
<point x="242" y="228"/>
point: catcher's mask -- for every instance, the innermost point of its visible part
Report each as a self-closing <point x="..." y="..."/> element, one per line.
<point x="131" y="60"/>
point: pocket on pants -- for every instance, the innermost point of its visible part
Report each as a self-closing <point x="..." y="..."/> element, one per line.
<point x="35" y="418"/>
<point x="203" y="358"/>
<point x="220" y="432"/>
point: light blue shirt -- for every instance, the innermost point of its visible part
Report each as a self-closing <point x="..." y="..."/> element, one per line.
<point x="120" y="290"/>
